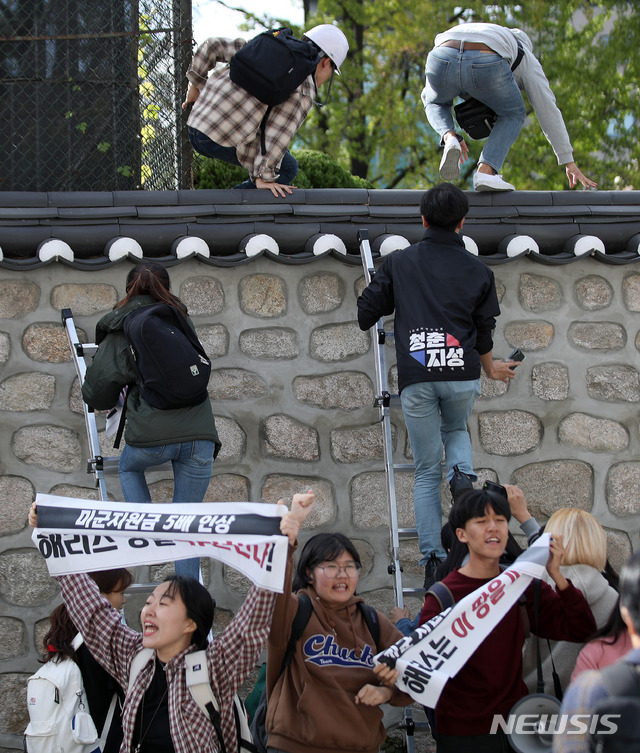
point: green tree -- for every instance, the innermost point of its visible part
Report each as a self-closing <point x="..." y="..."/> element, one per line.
<point x="375" y="124"/>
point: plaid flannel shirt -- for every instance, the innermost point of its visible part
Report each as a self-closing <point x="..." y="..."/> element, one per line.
<point x="231" y="656"/>
<point x="230" y="116"/>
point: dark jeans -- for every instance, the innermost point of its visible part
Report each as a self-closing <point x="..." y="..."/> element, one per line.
<point x="204" y="145"/>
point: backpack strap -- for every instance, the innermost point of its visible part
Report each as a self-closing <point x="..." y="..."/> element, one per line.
<point x="77" y="641"/>
<point x="519" y="56"/>
<point x="370" y="617"/>
<point x="197" y="672"/>
<point x="442" y="594"/>
<point x="140" y="660"/>
<point x="303" y="615"/>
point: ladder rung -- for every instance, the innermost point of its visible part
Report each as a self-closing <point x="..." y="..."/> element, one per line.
<point x="409" y="591"/>
<point x="404" y="467"/>
<point x="408" y="533"/>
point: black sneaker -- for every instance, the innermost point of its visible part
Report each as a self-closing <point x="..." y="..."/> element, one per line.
<point x="460" y="482"/>
<point x="430" y="571"/>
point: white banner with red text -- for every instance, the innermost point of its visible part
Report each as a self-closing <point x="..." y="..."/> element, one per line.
<point x="82" y="535"/>
<point x="437" y="650"/>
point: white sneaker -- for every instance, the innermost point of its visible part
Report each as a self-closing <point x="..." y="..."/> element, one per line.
<point x="486" y="182"/>
<point x="450" y="162"/>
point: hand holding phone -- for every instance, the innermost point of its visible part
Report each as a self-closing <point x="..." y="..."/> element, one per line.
<point x="515" y="355"/>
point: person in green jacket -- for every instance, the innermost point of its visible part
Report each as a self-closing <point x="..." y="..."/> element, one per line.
<point x="186" y="437"/>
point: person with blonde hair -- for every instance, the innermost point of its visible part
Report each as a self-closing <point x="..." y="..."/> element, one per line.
<point x="583" y="562"/>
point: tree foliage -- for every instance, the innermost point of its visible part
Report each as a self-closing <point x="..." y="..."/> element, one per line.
<point x="375" y="124"/>
<point x="316" y="170"/>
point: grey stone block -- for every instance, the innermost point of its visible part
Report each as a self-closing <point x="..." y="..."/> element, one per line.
<point x="509" y="433"/>
<point x="344" y="390"/>
<point x="233" y="438"/>
<point x="552" y="484"/>
<point x="529" y="335"/>
<point x="52" y="447"/>
<point x="263" y="295"/>
<point x="600" y="336"/>
<point x="321" y="293"/>
<point x="235" y="384"/>
<point x="5" y="347"/>
<point x="270" y="343"/>
<point x="202" y="295"/>
<point x="538" y="293"/>
<point x="281" y="486"/>
<point x="228" y="487"/>
<point x="12" y="638"/>
<point x="78" y="492"/>
<point x="48" y="343"/>
<point x="369" y="506"/>
<point x="616" y="383"/>
<point x="358" y="445"/>
<point x="14" y="716"/>
<point x="623" y="488"/>
<point x="75" y="398"/>
<point x="618" y="548"/>
<point x="24" y="579"/>
<point x="18" y="298"/>
<point x="31" y="391"/>
<point x="550" y="381"/>
<point x="338" y="342"/>
<point x="491" y="387"/>
<point x="631" y="291"/>
<point x="284" y="437"/>
<point x="592" y="433"/>
<point x="593" y="293"/>
<point x="17" y="494"/>
<point x="84" y="299"/>
<point x="214" y="339"/>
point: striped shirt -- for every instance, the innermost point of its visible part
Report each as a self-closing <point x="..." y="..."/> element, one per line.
<point x="231" y="656"/>
<point x="230" y="116"/>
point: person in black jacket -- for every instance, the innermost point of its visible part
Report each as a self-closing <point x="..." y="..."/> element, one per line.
<point x="445" y="306"/>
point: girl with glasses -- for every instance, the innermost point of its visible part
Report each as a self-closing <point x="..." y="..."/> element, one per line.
<point x="328" y="697"/>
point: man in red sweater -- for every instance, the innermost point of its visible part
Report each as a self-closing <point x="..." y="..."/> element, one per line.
<point x="491" y="682"/>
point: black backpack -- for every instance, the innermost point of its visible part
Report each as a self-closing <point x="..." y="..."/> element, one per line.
<point x="618" y="715"/>
<point x="258" y="721"/>
<point x="173" y="366"/>
<point x="273" y="65"/>
<point x="476" y="118"/>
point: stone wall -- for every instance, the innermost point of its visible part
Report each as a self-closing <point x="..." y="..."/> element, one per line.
<point x="292" y="388"/>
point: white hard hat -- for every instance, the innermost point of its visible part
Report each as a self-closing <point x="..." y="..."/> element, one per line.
<point x="331" y="41"/>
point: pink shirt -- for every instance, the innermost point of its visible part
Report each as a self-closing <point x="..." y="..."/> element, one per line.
<point x="600" y="653"/>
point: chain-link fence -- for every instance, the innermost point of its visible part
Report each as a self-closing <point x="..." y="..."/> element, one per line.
<point x="90" y="94"/>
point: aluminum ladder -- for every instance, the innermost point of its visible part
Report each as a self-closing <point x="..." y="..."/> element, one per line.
<point x="384" y="401"/>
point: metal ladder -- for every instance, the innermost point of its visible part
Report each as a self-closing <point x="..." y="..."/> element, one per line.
<point x="97" y="464"/>
<point x="384" y="401"/>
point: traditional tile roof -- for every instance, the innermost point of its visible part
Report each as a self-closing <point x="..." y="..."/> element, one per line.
<point x="91" y="230"/>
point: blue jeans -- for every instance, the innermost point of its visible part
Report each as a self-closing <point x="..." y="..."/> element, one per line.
<point x="437" y="413"/>
<point x="192" y="463"/>
<point x="485" y="76"/>
<point x="204" y="145"/>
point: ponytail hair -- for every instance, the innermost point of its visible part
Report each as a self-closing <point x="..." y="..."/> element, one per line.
<point x="150" y="278"/>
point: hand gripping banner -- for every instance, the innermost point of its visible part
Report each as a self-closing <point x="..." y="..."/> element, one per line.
<point x="438" y="650"/>
<point x="82" y="535"/>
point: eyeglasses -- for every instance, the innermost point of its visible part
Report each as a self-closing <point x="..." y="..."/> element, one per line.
<point x="332" y="570"/>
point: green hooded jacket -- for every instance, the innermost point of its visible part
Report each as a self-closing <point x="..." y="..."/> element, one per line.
<point x="113" y="368"/>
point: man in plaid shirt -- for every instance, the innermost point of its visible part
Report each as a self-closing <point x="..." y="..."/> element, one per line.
<point x="225" y="122"/>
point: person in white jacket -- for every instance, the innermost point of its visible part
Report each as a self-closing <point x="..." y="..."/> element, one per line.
<point x="474" y="60"/>
<point x="584" y="559"/>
